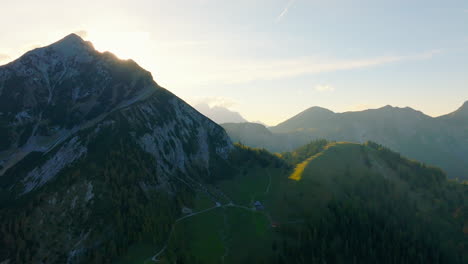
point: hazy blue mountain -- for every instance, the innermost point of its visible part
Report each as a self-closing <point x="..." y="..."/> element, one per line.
<point x="258" y="136"/>
<point x="441" y="141"/>
<point x="304" y="119"/>
<point x="220" y="114"/>
<point x="460" y="115"/>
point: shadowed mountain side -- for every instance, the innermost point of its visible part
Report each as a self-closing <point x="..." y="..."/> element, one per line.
<point x="258" y="136"/>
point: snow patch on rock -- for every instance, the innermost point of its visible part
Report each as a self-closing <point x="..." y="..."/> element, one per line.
<point x="89" y="192"/>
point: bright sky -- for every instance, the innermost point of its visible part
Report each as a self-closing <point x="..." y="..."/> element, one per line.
<point x="270" y="59"/>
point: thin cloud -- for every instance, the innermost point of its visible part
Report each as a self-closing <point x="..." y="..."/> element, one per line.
<point x="285" y="11"/>
<point x="324" y="88"/>
<point x="33" y="46"/>
<point x="214" y="101"/>
<point x="247" y="71"/>
<point x="82" y="33"/>
<point x="231" y="71"/>
<point x="4" y="57"/>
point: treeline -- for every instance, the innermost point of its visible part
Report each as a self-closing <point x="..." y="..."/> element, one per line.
<point x="244" y="156"/>
<point x="417" y="174"/>
<point x="304" y="152"/>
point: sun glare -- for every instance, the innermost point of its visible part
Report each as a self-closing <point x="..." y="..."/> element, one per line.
<point x="125" y="45"/>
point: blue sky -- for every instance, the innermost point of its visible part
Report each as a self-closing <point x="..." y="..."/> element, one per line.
<point x="270" y="59"/>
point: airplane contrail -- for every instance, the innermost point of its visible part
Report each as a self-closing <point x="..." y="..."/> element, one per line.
<point x="285" y="10"/>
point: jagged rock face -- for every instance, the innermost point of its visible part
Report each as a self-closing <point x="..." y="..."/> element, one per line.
<point x="81" y="128"/>
<point x="50" y="91"/>
<point x="178" y="137"/>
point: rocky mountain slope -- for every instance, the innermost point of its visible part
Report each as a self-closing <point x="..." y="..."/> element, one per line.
<point x="92" y="151"/>
<point x="50" y="93"/>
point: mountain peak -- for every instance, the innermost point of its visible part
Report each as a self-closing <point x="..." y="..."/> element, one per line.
<point x="67" y="83"/>
<point x="395" y="109"/>
<point x="304" y="119"/>
<point x="72" y="44"/>
<point x="318" y="109"/>
<point x="72" y="38"/>
<point x="391" y="107"/>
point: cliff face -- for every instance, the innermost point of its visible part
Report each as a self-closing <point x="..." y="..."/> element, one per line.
<point x="85" y="133"/>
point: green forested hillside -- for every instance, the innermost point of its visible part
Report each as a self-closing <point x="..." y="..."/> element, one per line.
<point x="367" y="204"/>
<point x="350" y="203"/>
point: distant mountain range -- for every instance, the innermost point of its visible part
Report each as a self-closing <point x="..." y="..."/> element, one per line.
<point x="219" y="114"/>
<point x="441" y="141"/>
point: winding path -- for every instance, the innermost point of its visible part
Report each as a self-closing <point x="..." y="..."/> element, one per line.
<point x="218" y="205"/>
<point x="154" y="258"/>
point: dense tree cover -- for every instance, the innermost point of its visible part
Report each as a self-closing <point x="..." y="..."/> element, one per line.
<point x="360" y="204"/>
<point x="410" y="215"/>
<point x="122" y="210"/>
<point x="246" y="157"/>
<point x="417" y="217"/>
<point x="133" y="214"/>
<point x="117" y="199"/>
<point x="126" y="208"/>
<point x="373" y="224"/>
